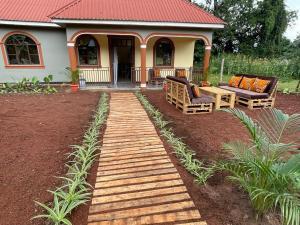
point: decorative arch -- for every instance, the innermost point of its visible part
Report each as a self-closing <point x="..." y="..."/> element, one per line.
<point x="172" y="53"/>
<point x="93" y="46"/>
<point x="168" y="35"/>
<point x="28" y="66"/>
<point x="105" y="32"/>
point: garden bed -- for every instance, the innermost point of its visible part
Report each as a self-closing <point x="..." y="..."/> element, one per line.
<point x="36" y="131"/>
<point x="219" y="202"/>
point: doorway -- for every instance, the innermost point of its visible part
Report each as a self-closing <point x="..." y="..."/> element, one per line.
<point x="122" y="58"/>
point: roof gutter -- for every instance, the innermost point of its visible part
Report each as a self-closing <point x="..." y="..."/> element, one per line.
<point x="26" y="23"/>
<point x="139" y="23"/>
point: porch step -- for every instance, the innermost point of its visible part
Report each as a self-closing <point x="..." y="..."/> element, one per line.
<point x="136" y="181"/>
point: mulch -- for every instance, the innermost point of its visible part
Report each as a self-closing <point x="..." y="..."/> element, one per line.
<point x="35" y="134"/>
<point x="219" y="202"/>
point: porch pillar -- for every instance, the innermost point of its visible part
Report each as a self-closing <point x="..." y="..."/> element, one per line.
<point x="206" y="61"/>
<point x="143" y="65"/>
<point x="72" y="56"/>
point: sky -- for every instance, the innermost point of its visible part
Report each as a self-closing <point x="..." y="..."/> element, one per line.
<point x="293" y="30"/>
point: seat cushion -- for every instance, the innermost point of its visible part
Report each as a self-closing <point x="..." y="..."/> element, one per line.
<point x="202" y="99"/>
<point x="260" y="85"/>
<point x="245" y="93"/>
<point x="235" y="81"/>
<point x="247" y="83"/>
<point x="196" y="91"/>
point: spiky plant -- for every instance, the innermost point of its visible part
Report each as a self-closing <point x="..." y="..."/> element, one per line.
<point x="267" y="168"/>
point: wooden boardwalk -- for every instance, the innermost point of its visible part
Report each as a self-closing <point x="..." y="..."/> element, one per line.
<point x="136" y="181"/>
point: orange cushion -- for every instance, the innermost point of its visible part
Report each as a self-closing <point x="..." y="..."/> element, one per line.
<point x="235" y="81"/>
<point x="260" y="85"/>
<point x="156" y="72"/>
<point x="196" y="91"/>
<point x="247" y="83"/>
<point x="181" y="73"/>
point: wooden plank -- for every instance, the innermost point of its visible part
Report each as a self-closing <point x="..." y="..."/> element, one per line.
<point x="132" y="144"/>
<point x="141" y="211"/>
<point x="136" y="174"/>
<point x="137" y="180"/>
<point x="141" y="194"/>
<point x="123" y="154"/>
<point x="130" y="140"/>
<point x="151" y="219"/>
<point x="134" y="164"/>
<point x="128" y="149"/>
<point x="139" y="202"/>
<point x="131" y="160"/>
<point x="134" y="156"/>
<point x="128" y="171"/>
<point x="137" y="187"/>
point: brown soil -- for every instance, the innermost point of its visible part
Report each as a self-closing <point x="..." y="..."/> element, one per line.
<point x="219" y="202"/>
<point x="35" y="134"/>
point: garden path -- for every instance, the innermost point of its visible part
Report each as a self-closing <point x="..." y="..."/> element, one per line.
<point x="136" y="181"/>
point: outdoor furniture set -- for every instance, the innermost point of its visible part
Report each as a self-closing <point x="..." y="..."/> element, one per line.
<point x="243" y="89"/>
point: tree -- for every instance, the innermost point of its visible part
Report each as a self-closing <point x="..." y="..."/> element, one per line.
<point x="253" y="27"/>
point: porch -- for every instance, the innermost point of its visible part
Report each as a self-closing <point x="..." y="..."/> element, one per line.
<point x="113" y="59"/>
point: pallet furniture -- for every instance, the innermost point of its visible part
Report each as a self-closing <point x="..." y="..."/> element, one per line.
<point x="223" y="98"/>
<point x="254" y="100"/>
<point x="179" y="94"/>
<point x="155" y="77"/>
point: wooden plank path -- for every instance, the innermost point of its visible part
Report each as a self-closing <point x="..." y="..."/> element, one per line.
<point x="136" y="181"/>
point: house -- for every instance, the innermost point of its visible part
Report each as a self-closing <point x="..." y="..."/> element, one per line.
<point x="109" y="41"/>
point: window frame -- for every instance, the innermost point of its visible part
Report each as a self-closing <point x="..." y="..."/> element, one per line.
<point x="21" y="66"/>
<point x="98" y="65"/>
<point x="172" y="56"/>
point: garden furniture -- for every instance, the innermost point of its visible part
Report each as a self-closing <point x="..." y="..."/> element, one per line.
<point x="155" y="77"/>
<point x="179" y="93"/>
<point x="223" y="98"/>
<point x="253" y="91"/>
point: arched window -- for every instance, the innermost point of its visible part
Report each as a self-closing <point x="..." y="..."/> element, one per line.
<point x="163" y="53"/>
<point x="88" y="51"/>
<point x="22" y="50"/>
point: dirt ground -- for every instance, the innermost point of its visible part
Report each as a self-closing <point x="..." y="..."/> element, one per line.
<point x="35" y="134"/>
<point x="219" y="202"/>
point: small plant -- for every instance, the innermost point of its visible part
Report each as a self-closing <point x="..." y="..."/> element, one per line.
<point x="74" y="75"/>
<point x="183" y="153"/>
<point x="75" y="190"/>
<point x="268" y="169"/>
<point x="26" y="85"/>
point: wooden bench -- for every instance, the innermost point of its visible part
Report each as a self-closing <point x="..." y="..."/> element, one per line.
<point x="254" y="100"/>
<point x="179" y="94"/>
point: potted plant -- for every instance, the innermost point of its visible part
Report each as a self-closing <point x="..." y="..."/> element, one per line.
<point x="74" y="80"/>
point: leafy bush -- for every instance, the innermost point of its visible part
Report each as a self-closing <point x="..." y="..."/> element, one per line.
<point x="75" y="190"/>
<point x="268" y="169"/>
<point x="182" y="151"/>
<point x="237" y="63"/>
<point x="29" y="86"/>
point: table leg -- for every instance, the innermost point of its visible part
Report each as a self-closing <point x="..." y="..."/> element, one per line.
<point x="218" y="102"/>
<point x="232" y="100"/>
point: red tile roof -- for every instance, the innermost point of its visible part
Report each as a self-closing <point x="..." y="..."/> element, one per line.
<point x="29" y="10"/>
<point x="179" y="11"/>
<point x="174" y="11"/>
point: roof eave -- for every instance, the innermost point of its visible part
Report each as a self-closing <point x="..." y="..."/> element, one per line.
<point x="140" y="23"/>
<point x="28" y="23"/>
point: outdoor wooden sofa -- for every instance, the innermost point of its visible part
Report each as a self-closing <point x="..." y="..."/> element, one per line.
<point x="179" y="93"/>
<point x="255" y="100"/>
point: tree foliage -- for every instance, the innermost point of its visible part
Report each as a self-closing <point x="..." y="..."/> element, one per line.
<point x="254" y="27"/>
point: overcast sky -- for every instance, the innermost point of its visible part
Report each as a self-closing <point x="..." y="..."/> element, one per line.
<point x="294" y="29"/>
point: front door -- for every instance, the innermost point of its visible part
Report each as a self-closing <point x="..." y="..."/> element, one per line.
<point x="122" y="55"/>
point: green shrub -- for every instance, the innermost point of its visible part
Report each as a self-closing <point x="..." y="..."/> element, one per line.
<point x="268" y="169"/>
<point x="26" y="85"/>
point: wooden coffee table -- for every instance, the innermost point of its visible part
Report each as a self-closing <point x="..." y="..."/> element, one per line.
<point x="223" y="98"/>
